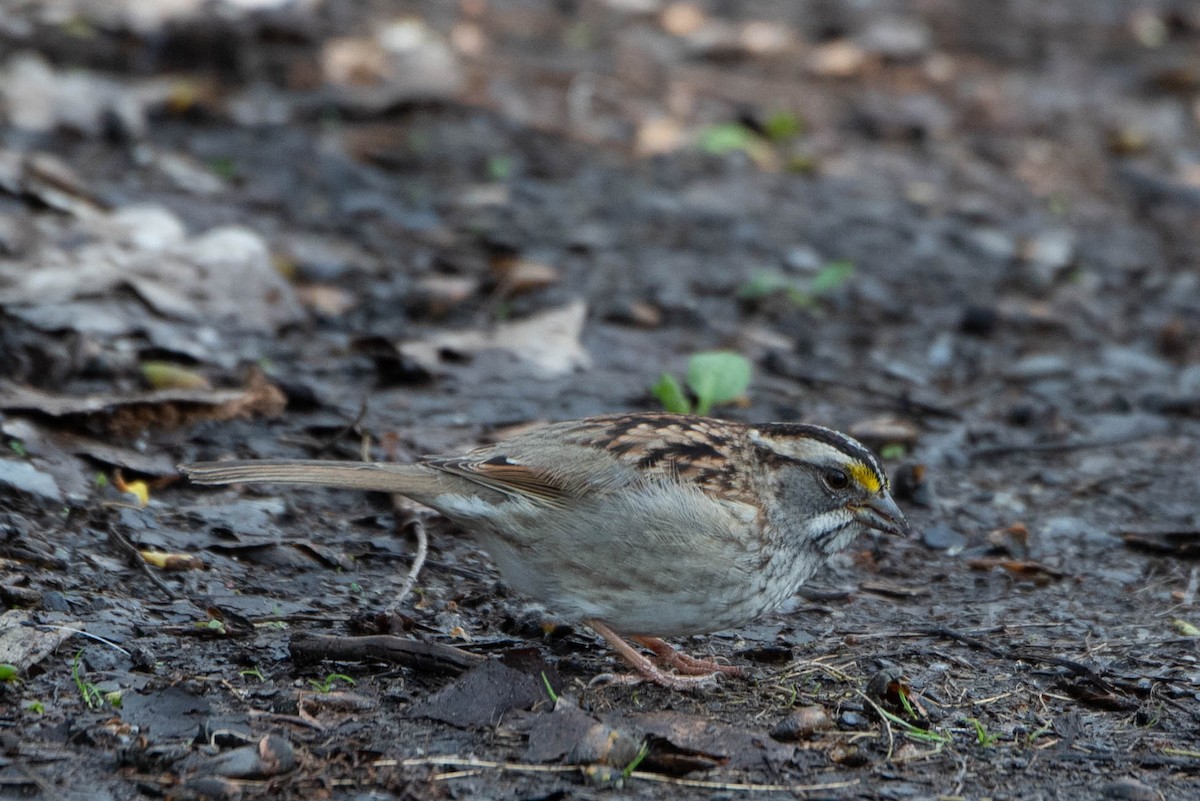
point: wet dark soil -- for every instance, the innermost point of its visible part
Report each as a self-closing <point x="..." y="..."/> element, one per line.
<point x="1015" y="185"/>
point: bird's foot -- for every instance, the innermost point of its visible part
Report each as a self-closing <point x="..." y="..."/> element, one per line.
<point x="689" y="671"/>
<point x="668" y="656"/>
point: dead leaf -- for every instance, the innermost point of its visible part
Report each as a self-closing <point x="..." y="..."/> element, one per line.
<point x="128" y="415"/>
<point x="517" y="275"/>
<point x="222" y="277"/>
<point x="25" y="477"/>
<point x="173" y="561"/>
<point x="23" y="644"/>
<point x="887" y="430"/>
<point x="700" y="742"/>
<point x="547" y="343"/>
<point x="481" y="696"/>
<point x="53" y="444"/>
<point x="164" y="375"/>
<point x="1023" y="569"/>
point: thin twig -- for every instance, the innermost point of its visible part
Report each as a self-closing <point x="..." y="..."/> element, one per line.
<point x="137" y="562"/>
<point x="410" y="580"/>
<point x="521" y="767"/>
<point x="307" y="649"/>
<point x="81" y="633"/>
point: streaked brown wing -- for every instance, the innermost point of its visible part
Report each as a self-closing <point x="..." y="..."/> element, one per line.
<point x="503" y="475"/>
<point x="596" y="455"/>
<point x="696" y="450"/>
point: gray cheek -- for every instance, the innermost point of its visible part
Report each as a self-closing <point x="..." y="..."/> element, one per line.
<point x="801" y="491"/>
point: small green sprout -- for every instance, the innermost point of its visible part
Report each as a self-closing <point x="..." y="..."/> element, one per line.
<point x="782" y="126"/>
<point x="224" y="167"/>
<point x="36" y="707"/>
<point x="500" y="168"/>
<point x="643" y="750"/>
<point x="252" y="673"/>
<point x="766" y="283"/>
<point x="893" y="451"/>
<point x="981" y="734"/>
<point x="714" y="377"/>
<point x="831" y="276"/>
<point x="9" y="672"/>
<point x="549" y="690"/>
<point x="728" y="137"/>
<point x="327" y="684"/>
<point x="18" y="447"/>
<point x="1033" y="736"/>
<point x="671" y="395"/>
<point x="90" y="693"/>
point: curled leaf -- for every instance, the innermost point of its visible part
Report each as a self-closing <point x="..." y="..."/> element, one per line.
<point x="717" y="377"/>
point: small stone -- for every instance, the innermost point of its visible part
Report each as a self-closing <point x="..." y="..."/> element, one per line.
<point x="683" y="19"/>
<point x="896" y="38"/>
<point x="657" y="135"/>
<point x="941" y="351"/>
<point x="764" y="38"/>
<point x="1128" y="788"/>
<point x="645" y="315"/>
<point x="801" y="724"/>
<point x="1130" y="363"/>
<point x="1048" y="255"/>
<point x="852" y="719"/>
<point x="847" y="754"/>
<point x="837" y="59"/>
<point x="326" y="300"/>
<point x="28" y="92"/>
<point x="803" y="259"/>
<point x="941" y="537"/>
<point x="993" y="243"/>
<point x="147" y="227"/>
<point x="1058" y="530"/>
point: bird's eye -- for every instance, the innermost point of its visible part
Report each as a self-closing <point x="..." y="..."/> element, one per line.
<point x="836" y="479"/>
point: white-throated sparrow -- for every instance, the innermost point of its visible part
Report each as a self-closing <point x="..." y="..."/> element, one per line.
<point x="643" y="525"/>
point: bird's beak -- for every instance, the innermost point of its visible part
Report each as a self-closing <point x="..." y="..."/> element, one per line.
<point x="880" y="512"/>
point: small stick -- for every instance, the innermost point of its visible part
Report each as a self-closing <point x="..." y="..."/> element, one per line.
<point x="410" y="580"/>
<point x="434" y="657"/>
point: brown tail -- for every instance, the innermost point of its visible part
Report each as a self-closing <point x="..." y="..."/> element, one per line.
<point x="405" y="479"/>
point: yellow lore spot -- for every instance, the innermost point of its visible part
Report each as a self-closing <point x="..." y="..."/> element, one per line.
<point x="865" y="476"/>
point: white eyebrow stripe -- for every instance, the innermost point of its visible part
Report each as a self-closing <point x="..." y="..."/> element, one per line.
<point x="822" y="452"/>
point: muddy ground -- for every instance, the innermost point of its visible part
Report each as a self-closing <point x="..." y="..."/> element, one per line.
<point x="968" y="232"/>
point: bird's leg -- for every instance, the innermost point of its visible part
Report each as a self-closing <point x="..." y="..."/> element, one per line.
<point x="647" y="669"/>
<point x="668" y="656"/>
